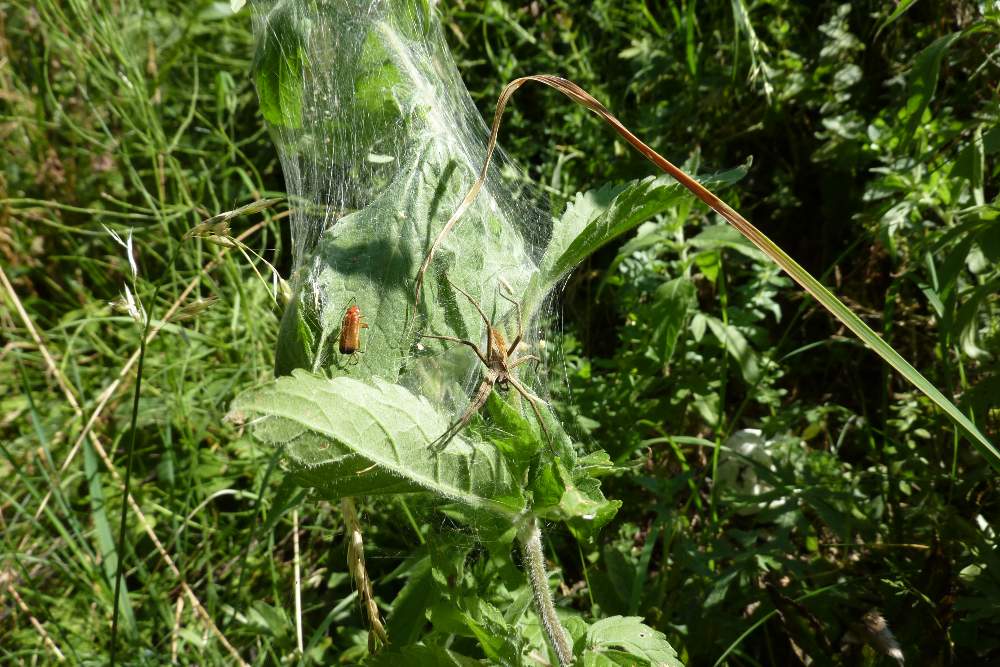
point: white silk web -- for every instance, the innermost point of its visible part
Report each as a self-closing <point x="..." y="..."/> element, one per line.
<point x="379" y="141"/>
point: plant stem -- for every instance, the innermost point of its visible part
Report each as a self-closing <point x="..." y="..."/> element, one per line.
<point x="377" y="637"/>
<point x="530" y="537"/>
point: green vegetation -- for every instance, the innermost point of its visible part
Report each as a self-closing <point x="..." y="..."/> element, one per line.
<point x="739" y="480"/>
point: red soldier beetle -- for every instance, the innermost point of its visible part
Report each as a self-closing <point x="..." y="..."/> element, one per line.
<point x="350" y="331"/>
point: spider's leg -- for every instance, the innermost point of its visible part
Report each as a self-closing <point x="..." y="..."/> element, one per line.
<point x="534" y="401"/>
<point x="486" y="320"/>
<point x="482" y="394"/>
<point x="520" y="328"/>
<point x="452" y="339"/>
<point x="474" y="303"/>
<point x="521" y="360"/>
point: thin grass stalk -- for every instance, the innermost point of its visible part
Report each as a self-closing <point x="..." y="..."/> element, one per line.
<point x="39" y="628"/>
<point x="298" y="580"/>
<point x="130" y="452"/>
<point x="129" y="460"/>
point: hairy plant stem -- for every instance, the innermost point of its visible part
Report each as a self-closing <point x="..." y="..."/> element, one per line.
<point x="530" y="536"/>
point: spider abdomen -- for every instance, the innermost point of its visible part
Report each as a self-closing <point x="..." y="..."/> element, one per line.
<point x="497" y="352"/>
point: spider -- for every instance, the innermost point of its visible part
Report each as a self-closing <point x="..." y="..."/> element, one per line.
<point x="500" y="362"/>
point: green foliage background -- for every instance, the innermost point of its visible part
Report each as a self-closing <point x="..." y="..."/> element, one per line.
<point x="874" y="139"/>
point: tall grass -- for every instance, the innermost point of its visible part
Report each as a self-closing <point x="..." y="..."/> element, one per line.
<point x="131" y="116"/>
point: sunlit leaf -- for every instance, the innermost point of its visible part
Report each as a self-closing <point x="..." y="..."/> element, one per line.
<point x="595" y="218"/>
<point x="626" y="640"/>
<point x="347" y="438"/>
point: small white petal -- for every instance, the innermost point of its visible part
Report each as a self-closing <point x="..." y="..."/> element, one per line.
<point x="130" y="302"/>
<point x="131" y="255"/>
<point x="135" y="309"/>
<point x="113" y="235"/>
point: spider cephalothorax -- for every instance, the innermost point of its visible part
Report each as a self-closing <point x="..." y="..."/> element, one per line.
<point x="500" y="361"/>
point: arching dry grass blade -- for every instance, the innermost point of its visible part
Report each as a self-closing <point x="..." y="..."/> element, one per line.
<point x="754" y="235"/>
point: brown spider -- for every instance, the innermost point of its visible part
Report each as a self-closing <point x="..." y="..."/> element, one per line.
<point x="500" y="364"/>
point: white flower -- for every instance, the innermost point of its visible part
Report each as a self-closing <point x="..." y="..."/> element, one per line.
<point x="127" y="244"/>
<point x="737" y="470"/>
<point x="128" y="304"/>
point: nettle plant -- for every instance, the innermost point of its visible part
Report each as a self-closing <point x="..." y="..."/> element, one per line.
<point x="437" y="270"/>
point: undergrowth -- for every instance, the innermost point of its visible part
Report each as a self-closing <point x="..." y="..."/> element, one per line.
<point x="874" y="163"/>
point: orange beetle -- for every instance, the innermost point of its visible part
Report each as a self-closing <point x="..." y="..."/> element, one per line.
<point x="350" y="331"/>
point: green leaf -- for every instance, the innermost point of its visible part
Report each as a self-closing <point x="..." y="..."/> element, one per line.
<point x="901" y="8"/>
<point x="971" y="161"/>
<point x="288" y="496"/>
<point x="709" y="262"/>
<point x="409" y="609"/>
<point x="626" y="640"/>
<point x="268" y="619"/>
<point x="392" y="105"/>
<point x="673" y="301"/>
<point x="516" y="435"/>
<point x="448" y="619"/>
<point x="421" y="655"/>
<point x="837" y="308"/>
<point x="978" y="164"/>
<point x="280" y="64"/>
<point x="988" y="241"/>
<point x="967" y="320"/>
<point x="474" y="617"/>
<point x="724" y="236"/>
<point x="922" y="82"/>
<point x="347" y="438"/>
<point x="575" y="496"/>
<point x="597" y="217"/>
<point x="499" y="640"/>
<point x="369" y="259"/>
<point x="105" y="537"/>
<point x="737" y="346"/>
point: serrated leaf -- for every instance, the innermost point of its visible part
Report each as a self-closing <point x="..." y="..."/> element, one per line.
<point x="368" y="257"/>
<point x="391" y="116"/>
<point x="597" y="217"/>
<point x="346" y="438"/>
<point x="514" y="434"/>
<point x="499" y="641"/>
<point x="628" y="635"/>
<point x="575" y="496"/>
<point x="474" y="617"/>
